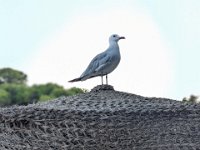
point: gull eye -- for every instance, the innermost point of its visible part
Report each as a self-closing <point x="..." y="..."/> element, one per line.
<point x="114" y="35"/>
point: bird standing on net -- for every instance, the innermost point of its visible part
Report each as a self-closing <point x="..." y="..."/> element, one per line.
<point x="103" y="63"/>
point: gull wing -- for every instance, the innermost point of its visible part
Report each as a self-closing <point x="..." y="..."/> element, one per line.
<point x="97" y="62"/>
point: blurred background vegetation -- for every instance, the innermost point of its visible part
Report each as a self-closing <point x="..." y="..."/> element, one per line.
<point x="191" y="99"/>
<point x="14" y="89"/>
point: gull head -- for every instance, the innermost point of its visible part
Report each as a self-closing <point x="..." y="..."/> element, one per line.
<point x="115" y="38"/>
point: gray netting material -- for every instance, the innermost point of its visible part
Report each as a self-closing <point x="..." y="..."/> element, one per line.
<point x="102" y="119"/>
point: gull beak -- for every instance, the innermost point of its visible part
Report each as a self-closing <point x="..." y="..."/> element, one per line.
<point x="121" y="37"/>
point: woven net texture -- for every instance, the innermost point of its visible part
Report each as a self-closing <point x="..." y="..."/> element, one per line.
<point x="102" y="119"/>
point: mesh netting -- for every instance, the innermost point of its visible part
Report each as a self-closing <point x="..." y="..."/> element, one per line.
<point x="102" y="119"/>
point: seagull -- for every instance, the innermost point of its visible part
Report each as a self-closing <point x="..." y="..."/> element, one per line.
<point x="103" y="63"/>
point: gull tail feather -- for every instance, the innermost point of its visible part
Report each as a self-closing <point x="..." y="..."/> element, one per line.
<point x="76" y="80"/>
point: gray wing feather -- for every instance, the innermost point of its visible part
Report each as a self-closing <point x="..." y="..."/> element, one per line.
<point x="96" y="63"/>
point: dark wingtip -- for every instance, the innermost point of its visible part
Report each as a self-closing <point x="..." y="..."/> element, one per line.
<point x="75" y="80"/>
<point x="70" y="81"/>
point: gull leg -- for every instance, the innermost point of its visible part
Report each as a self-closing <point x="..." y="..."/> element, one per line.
<point x="107" y="79"/>
<point x="101" y="80"/>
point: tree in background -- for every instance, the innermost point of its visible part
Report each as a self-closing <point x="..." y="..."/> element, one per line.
<point x="4" y="97"/>
<point x="17" y="94"/>
<point x="14" y="90"/>
<point x="192" y="99"/>
<point x="8" y="75"/>
<point x="44" y="92"/>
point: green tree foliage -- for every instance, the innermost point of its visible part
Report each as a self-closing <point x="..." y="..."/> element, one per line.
<point x="8" y="75"/>
<point x="4" y="97"/>
<point x="192" y="99"/>
<point x="75" y="90"/>
<point x="13" y="89"/>
<point x="17" y="94"/>
<point x="43" y="92"/>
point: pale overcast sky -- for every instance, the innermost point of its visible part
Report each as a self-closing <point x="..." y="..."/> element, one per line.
<point x="54" y="40"/>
